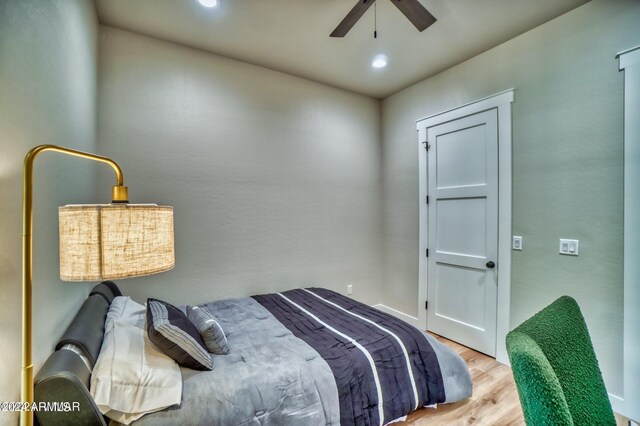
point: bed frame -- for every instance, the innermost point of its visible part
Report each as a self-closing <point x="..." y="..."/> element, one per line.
<point x="65" y="376"/>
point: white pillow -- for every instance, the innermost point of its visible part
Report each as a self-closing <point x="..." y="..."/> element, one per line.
<point x="132" y="377"/>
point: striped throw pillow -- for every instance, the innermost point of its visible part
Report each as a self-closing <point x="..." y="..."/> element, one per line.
<point x="172" y="332"/>
<point x="209" y="328"/>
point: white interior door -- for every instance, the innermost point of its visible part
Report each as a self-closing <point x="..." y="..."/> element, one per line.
<point x="463" y="230"/>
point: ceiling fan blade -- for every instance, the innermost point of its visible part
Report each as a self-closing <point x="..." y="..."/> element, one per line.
<point x="416" y="13"/>
<point x="352" y="17"/>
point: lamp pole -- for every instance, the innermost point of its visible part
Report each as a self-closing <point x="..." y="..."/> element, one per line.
<point x="119" y="194"/>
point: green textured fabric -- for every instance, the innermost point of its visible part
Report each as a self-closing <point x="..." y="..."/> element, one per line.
<point x="556" y="370"/>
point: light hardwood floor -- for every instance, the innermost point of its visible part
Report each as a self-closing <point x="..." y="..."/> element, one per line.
<point x="494" y="401"/>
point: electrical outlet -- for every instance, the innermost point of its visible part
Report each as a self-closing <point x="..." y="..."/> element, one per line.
<point x="349" y="289"/>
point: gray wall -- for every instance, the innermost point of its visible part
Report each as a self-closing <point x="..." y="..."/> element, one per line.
<point x="567" y="166"/>
<point x="48" y="53"/>
<point x="275" y="180"/>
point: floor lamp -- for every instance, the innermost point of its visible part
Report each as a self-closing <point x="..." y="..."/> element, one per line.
<point x="97" y="242"/>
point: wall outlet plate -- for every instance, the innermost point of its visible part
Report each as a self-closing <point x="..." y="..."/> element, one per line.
<point x="517" y="242"/>
<point x="349" y="288"/>
<point x="569" y="247"/>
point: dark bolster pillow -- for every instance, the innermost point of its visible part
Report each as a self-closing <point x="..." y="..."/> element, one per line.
<point x="87" y="328"/>
<point x="86" y="331"/>
<point x="172" y="332"/>
<point x="64" y="377"/>
<point x="107" y="289"/>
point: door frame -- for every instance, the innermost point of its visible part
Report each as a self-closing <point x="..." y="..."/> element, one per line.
<point x="629" y="404"/>
<point x="502" y="102"/>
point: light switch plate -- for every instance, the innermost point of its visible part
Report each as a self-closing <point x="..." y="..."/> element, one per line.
<point x="517" y="242"/>
<point x="569" y="247"/>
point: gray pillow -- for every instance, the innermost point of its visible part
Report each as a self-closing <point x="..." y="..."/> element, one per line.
<point x="172" y="332"/>
<point x="210" y="329"/>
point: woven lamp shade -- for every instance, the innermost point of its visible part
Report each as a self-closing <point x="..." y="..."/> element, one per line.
<point x="114" y="241"/>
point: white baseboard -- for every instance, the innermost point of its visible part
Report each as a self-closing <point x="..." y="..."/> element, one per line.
<point x="617" y="404"/>
<point x="398" y="314"/>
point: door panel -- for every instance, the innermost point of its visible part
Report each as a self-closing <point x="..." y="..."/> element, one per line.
<point x="457" y="157"/>
<point x="457" y="290"/>
<point x="463" y="230"/>
<point x="457" y="219"/>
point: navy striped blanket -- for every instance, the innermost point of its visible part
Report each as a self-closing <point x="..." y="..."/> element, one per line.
<point x="384" y="368"/>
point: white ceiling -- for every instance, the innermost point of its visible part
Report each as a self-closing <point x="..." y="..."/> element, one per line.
<point x="292" y="36"/>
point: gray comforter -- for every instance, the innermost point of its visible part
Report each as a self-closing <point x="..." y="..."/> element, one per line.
<point x="272" y="377"/>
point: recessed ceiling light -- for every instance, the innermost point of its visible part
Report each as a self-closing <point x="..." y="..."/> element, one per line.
<point x="209" y="3"/>
<point x="380" y="61"/>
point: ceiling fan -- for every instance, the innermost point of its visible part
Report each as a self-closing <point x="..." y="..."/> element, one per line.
<point x="412" y="9"/>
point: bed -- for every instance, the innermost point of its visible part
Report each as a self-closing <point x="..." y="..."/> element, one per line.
<point x="301" y="357"/>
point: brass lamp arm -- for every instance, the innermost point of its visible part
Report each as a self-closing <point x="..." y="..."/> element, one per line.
<point x="119" y="195"/>
<point x="31" y="155"/>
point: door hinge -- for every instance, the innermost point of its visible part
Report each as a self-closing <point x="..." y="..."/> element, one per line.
<point x="427" y="199"/>
<point x="426" y="145"/>
<point x="427" y="252"/>
<point x="426" y="304"/>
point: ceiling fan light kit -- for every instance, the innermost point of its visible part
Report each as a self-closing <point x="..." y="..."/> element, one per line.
<point x="379" y="61"/>
<point x="415" y="12"/>
<point x="208" y="3"/>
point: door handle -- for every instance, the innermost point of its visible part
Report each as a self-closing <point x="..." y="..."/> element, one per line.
<point x="491" y="264"/>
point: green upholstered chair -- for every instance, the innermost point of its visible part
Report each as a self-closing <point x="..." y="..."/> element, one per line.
<point x="556" y="370"/>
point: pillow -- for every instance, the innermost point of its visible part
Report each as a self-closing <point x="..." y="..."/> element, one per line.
<point x="132" y="377"/>
<point x="210" y="330"/>
<point x="172" y="332"/>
